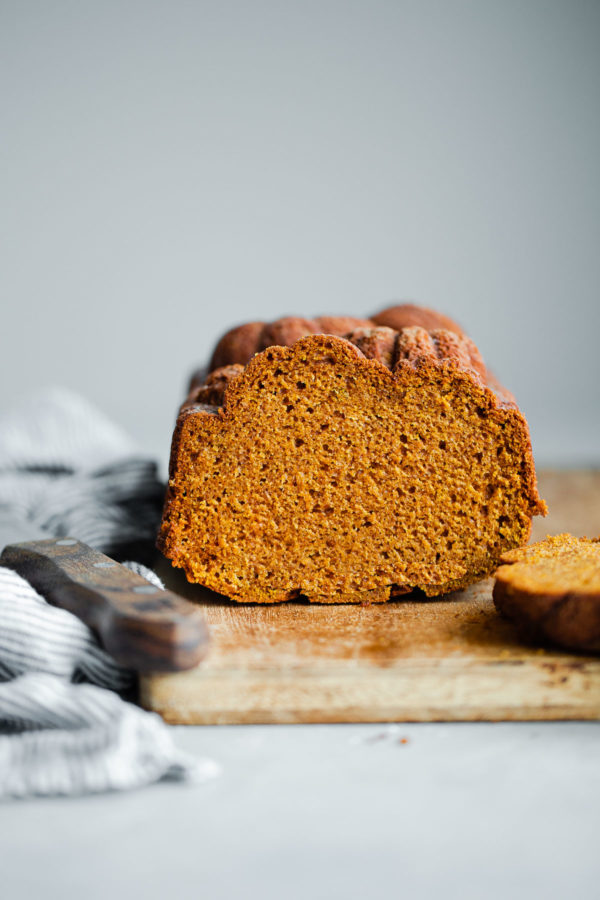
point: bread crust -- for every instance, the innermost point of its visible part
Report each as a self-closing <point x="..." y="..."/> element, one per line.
<point x="239" y="344"/>
<point x="409" y="315"/>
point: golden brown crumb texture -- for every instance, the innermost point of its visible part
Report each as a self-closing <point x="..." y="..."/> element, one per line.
<point x="348" y="470"/>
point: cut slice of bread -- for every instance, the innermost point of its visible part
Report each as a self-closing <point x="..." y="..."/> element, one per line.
<point x="552" y="590"/>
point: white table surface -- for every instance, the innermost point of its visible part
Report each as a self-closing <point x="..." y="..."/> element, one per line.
<point x="459" y="811"/>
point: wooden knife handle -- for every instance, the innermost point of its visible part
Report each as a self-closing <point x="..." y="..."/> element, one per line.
<point x="141" y="626"/>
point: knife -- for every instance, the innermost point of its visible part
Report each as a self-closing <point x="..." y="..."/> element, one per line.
<point x="142" y="626"/>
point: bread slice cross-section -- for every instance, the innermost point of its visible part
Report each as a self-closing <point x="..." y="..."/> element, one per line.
<point x="349" y="470"/>
<point x="552" y="590"/>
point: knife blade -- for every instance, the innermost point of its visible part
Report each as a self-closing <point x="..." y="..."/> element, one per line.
<point x="142" y="626"/>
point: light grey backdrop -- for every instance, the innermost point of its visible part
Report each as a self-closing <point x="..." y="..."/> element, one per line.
<point x="171" y="168"/>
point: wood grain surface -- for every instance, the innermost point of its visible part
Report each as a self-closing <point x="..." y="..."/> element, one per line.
<point x="442" y="660"/>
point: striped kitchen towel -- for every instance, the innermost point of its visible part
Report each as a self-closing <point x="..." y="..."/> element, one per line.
<point x="65" y="727"/>
<point x="68" y="470"/>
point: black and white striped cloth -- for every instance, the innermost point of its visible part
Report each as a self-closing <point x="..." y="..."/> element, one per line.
<point x="64" y="726"/>
<point x="68" y="470"/>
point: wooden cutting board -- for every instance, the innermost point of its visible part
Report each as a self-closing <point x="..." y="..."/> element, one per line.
<point x="444" y="660"/>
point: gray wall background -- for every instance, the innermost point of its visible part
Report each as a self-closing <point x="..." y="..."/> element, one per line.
<point x="172" y="168"/>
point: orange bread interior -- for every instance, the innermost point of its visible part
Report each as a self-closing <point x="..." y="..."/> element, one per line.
<point x="349" y="472"/>
<point x="559" y="564"/>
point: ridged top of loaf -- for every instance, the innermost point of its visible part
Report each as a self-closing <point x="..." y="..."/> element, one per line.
<point x="239" y="344"/>
<point x="414" y="346"/>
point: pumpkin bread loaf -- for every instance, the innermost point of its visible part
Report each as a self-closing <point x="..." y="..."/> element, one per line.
<point x="348" y="469"/>
<point x="552" y="590"/>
